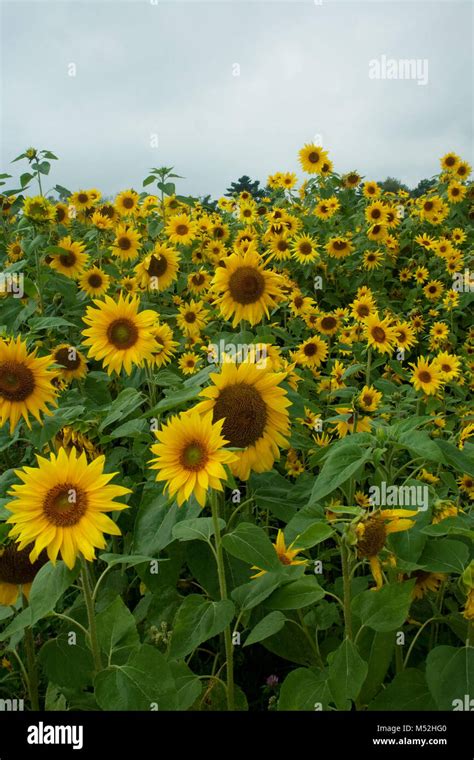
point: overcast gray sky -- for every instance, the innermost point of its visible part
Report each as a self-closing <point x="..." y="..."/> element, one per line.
<point x="166" y="68"/>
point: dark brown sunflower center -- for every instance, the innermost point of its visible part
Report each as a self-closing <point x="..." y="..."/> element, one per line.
<point x="182" y="229"/>
<point x="313" y="157"/>
<point x="282" y="245"/>
<point x="367" y="399"/>
<point x="68" y="358"/>
<point x="65" y="504"/>
<point x="363" y="310"/>
<point x="108" y="211"/>
<point x="305" y="248"/>
<point x="157" y="266"/>
<point x="15" y="566"/>
<point x="310" y="349"/>
<point x="328" y="323"/>
<point x="128" y="203"/>
<point x="376" y="229"/>
<point x="67" y="259"/>
<point x="245" y="414"/>
<point x="60" y="214"/>
<point x="446" y="367"/>
<point x="373" y="539"/>
<point x="298" y="302"/>
<point x="219" y="232"/>
<point x="246" y="285"/>
<point x="124" y="243"/>
<point x="17" y="381"/>
<point x="378" y="334"/>
<point x="190" y="317"/>
<point x="450" y="161"/>
<point x="194" y="456"/>
<point x="424" y="376"/>
<point x="375" y="213"/>
<point x="428" y="206"/>
<point x="122" y="333"/>
<point x="340" y="245"/>
<point x="82" y="197"/>
<point x="95" y="280"/>
<point x="198" y="279"/>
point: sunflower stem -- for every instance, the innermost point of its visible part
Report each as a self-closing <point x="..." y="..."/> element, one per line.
<point x="368" y="367"/>
<point x="229" y="649"/>
<point x="346" y="583"/>
<point x="32" y="669"/>
<point x="93" y="640"/>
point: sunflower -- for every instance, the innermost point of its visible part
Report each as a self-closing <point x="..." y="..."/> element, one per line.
<point x="192" y="317"/>
<point x="405" y="335"/>
<point x="126" y="202"/>
<point x="426" y="376"/>
<point x="189" y="363"/>
<point x="198" y="281"/>
<point x="328" y="324"/>
<point x="159" y="269"/>
<point x="466" y="484"/>
<point x="95" y="282"/>
<point x="439" y="331"/>
<point x="254" y="407"/>
<point x="376" y="213"/>
<point x="433" y="290"/>
<point x="304" y="248"/>
<point x="280" y="247"/>
<point x="369" y="399"/>
<point x="129" y="284"/>
<point x="380" y="333"/>
<point x="345" y="426"/>
<point x="351" y="180"/>
<point x="101" y="221"/>
<point x="312" y="352"/>
<point x="25" y="383"/>
<point x="72" y="260"/>
<point x="180" y="229"/>
<point x="82" y="200"/>
<point x="371" y="190"/>
<point x="72" y="364"/>
<point x="312" y="158"/>
<point x="339" y="247"/>
<point x="246" y="289"/>
<point x="14" y="251"/>
<point x="425" y="582"/>
<point x="127" y="242"/>
<point x="300" y="305"/>
<point x="362" y="307"/>
<point x="165" y="346"/>
<point x="372" y="533"/>
<point x="119" y="335"/>
<point x="372" y="260"/>
<point x="449" y="162"/>
<point x="456" y="191"/>
<point x="286" y="555"/>
<point x="17" y="572"/>
<point x="449" y="365"/>
<point x="190" y="456"/>
<point x="39" y="209"/>
<point x="60" y="507"/>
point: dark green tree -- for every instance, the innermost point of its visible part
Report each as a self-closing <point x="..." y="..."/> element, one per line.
<point x="392" y="185"/>
<point x="245" y="183"/>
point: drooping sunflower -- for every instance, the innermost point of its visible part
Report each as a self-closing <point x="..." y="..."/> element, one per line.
<point x="72" y="261"/>
<point x="17" y="573"/>
<point x="95" y="282"/>
<point x="380" y="333"/>
<point x="126" y="202"/>
<point x="25" y="383"/>
<point x="425" y="582"/>
<point x="60" y="507"/>
<point x="255" y="411"/>
<point x="72" y="363"/>
<point x="39" y="209"/>
<point x="286" y="554"/>
<point x="127" y="242"/>
<point x="426" y="376"/>
<point x="165" y="346"/>
<point x="181" y="229"/>
<point x="304" y="249"/>
<point x="192" y="317"/>
<point x="246" y="288"/>
<point x="190" y="456"/>
<point x="159" y="269"/>
<point x="369" y="398"/>
<point x="312" y="158"/>
<point x="119" y="335"/>
<point x="373" y="531"/>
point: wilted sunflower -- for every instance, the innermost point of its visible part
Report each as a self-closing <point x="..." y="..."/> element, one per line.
<point x="25" y="383"/>
<point x="159" y="269"/>
<point x="190" y="456"/>
<point x="17" y="573"/>
<point x="127" y="242"/>
<point x="60" y="507"/>
<point x="181" y="229"/>
<point x="119" y="335"/>
<point x="380" y="333"/>
<point x="255" y="411"/>
<point x="425" y="582"/>
<point x="246" y="289"/>
<point x="72" y="260"/>
<point x="372" y="532"/>
<point x="165" y="346"/>
<point x="72" y="364"/>
<point x="95" y="282"/>
<point x="426" y="376"/>
<point x="286" y="554"/>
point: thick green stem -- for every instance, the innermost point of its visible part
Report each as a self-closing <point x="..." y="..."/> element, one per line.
<point x="93" y="640"/>
<point x="229" y="649"/>
<point x="346" y="583"/>
<point x="32" y="669"/>
<point x="368" y="367"/>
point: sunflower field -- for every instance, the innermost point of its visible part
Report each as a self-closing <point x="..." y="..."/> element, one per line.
<point x="236" y="467"/>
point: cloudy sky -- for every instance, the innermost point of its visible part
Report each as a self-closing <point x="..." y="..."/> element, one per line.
<point x="225" y="88"/>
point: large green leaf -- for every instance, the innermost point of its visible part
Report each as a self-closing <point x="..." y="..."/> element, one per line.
<point x="444" y="556"/>
<point x="67" y="664"/>
<point x="305" y="689"/>
<point x="386" y="609"/>
<point x="155" y="521"/>
<point x="296" y="595"/>
<point x="462" y="461"/>
<point x="251" y="544"/>
<point x="116" y="631"/>
<point x="376" y="648"/>
<point x="341" y="464"/>
<point x="253" y="593"/>
<point x="269" y="625"/>
<point x="407" y="692"/>
<point x="199" y="528"/>
<point x="347" y="673"/>
<point x="145" y="682"/>
<point x="450" y="675"/>
<point x="198" y="620"/>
